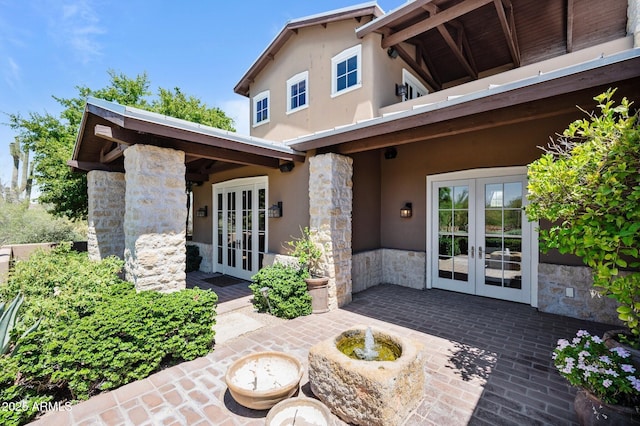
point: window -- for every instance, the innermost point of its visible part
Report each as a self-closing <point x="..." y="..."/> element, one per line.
<point x="415" y="89"/>
<point x="346" y="70"/>
<point x="298" y="92"/>
<point x="261" y="108"/>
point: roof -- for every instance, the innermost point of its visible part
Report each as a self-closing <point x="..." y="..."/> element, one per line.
<point x="513" y="102"/>
<point x="107" y="128"/>
<point x="291" y="28"/>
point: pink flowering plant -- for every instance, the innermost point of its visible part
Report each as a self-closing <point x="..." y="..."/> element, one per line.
<point x="607" y="373"/>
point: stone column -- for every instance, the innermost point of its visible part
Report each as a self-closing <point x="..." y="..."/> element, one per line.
<point x="633" y="21"/>
<point x="154" y="222"/>
<point x="105" y="234"/>
<point x="330" y="205"/>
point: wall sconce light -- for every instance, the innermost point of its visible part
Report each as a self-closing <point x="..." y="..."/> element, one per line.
<point x="202" y="212"/>
<point x="276" y="210"/>
<point x="286" y="167"/>
<point x="401" y="90"/>
<point x="392" y="52"/>
<point x="406" y="211"/>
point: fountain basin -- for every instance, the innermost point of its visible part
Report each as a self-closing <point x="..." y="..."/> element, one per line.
<point x="299" y="411"/>
<point x="368" y="392"/>
<point x="262" y="379"/>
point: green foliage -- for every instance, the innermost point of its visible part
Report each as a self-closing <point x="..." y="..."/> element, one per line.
<point x="52" y="138"/>
<point x="97" y="331"/>
<point x="193" y="258"/>
<point x="588" y="185"/>
<point x="8" y="318"/>
<point x="22" y="224"/>
<point x="19" y="404"/>
<point x="287" y="291"/>
<point x="306" y="251"/>
<point x="128" y="336"/>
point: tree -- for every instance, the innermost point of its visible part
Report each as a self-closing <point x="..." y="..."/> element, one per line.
<point x="52" y="138"/>
<point x="588" y="185"/>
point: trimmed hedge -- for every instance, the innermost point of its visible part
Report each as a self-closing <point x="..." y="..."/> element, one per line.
<point x="287" y="294"/>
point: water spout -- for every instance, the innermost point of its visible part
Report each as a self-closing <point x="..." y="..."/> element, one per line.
<point x="369" y="351"/>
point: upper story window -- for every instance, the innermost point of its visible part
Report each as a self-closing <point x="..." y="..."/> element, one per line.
<point x="415" y="88"/>
<point x="298" y="92"/>
<point x="346" y="71"/>
<point x="261" y="108"/>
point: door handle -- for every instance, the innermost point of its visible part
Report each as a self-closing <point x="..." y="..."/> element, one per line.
<point x="472" y="251"/>
<point x="479" y="252"/>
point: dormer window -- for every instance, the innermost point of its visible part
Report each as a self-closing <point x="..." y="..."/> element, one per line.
<point x="346" y="71"/>
<point x="261" y="108"/>
<point x="298" y="92"/>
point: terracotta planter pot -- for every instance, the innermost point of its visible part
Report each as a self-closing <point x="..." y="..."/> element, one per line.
<point x="318" y="289"/>
<point x="591" y="411"/>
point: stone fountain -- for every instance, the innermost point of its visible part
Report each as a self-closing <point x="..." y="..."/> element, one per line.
<point x="358" y="387"/>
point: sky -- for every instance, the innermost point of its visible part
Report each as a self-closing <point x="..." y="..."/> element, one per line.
<point x="203" y="47"/>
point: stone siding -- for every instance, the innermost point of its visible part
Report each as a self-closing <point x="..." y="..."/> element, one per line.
<point x="367" y="270"/>
<point x="155" y="218"/>
<point x="330" y="206"/>
<point x="105" y="233"/>
<point x="587" y="303"/>
<point x="389" y="266"/>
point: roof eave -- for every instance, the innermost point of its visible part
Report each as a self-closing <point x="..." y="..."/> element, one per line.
<point x="291" y="28"/>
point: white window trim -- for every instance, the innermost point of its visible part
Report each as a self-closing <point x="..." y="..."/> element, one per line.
<point x="303" y="76"/>
<point x="260" y="96"/>
<point x="342" y="56"/>
<point x="408" y="78"/>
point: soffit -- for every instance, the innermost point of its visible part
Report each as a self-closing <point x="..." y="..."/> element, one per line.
<point x="461" y="40"/>
<point x="107" y="129"/>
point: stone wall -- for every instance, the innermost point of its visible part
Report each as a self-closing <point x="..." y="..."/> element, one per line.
<point x="586" y="303"/>
<point x="330" y="206"/>
<point x="389" y="266"/>
<point x="366" y="270"/>
<point x="155" y="218"/>
<point x="105" y="233"/>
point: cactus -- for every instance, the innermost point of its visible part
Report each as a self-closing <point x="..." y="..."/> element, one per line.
<point x="8" y="318"/>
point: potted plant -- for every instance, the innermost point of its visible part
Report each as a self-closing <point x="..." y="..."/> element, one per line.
<point x="609" y="383"/>
<point x="309" y="255"/>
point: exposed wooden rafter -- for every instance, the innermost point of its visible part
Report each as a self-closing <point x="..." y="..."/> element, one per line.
<point x="508" y="28"/>
<point x="569" y="26"/>
<point x="421" y="71"/>
<point x="434" y="21"/>
<point x="112" y="155"/>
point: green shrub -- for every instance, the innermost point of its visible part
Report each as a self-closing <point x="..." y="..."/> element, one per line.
<point x="128" y="336"/>
<point x="287" y="291"/>
<point x="97" y="331"/>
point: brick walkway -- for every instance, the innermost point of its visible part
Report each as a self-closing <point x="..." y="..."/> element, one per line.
<point x="487" y="363"/>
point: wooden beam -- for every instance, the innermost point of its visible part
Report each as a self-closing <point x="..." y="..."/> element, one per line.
<point x="570" y="16"/>
<point x="460" y="126"/>
<point x="457" y="52"/>
<point x="512" y="43"/>
<point x="434" y="86"/>
<point x="112" y="155"/>
<point x="117" y="134"/>
<point x="432" y="22"/>
<point x="87" y="166"/>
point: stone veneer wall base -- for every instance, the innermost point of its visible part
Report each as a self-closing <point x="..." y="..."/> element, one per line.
<point x="106" y="210"/>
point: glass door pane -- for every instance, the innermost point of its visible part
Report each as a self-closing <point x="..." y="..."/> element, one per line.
<point x="453" y="232"/>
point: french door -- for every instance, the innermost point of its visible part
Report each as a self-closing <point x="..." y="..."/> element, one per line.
<point x="240" y="226"/>
<point x="480" y="239"/>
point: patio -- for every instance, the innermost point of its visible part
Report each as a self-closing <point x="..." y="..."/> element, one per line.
<point x="487" y="362"/>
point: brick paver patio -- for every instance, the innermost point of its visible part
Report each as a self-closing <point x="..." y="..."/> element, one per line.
<point x="487" y="363"/>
